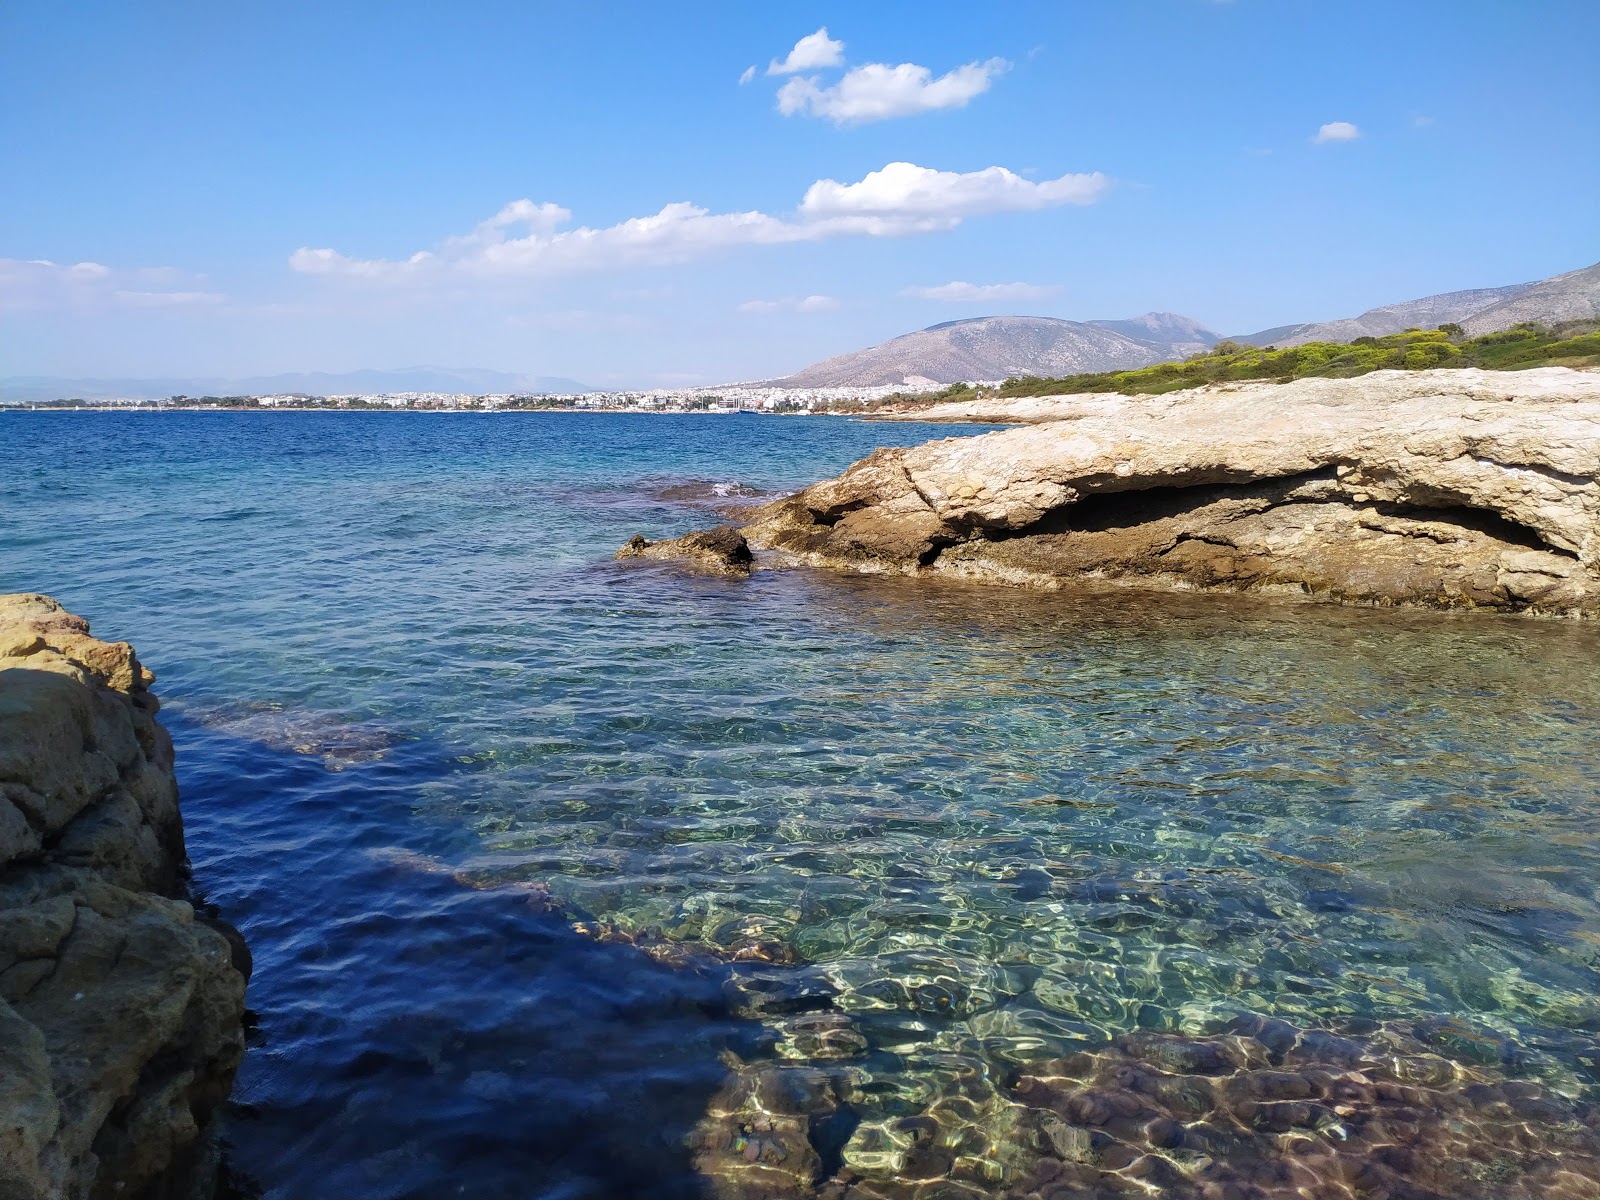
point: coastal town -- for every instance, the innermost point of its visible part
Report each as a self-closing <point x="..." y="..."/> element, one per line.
<point x="723" y="400"/>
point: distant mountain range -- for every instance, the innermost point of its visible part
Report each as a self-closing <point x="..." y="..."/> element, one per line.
<point x="468" y="380"/>
<point x="951" y="352"/>
<point x="1000" y="347"/>
<point x="1574" y="296"/>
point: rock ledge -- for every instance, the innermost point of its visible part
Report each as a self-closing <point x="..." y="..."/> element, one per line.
<point x="1451" y="489"/>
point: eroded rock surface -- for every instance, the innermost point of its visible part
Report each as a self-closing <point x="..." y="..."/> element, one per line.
<point x="722" y="551"/>
<point x="1443" y="488"/>
<point x="120" y="1008"/>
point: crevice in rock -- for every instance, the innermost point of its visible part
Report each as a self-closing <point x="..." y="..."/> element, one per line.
<point x="832" y="516"/>
<point x="1098" y="512"/>
<point x="1195" y="537"/>
<point x="1101" y="512"/>
<point x="1565" y="478"/>
<point x="1472" y="520"/>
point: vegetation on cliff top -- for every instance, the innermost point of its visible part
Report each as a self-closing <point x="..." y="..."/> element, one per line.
<point x="1571" y="344"/>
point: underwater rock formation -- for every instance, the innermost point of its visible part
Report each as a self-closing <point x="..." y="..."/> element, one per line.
<point x="1251" y="1108"/>
<point x="1266" y="1111"/>
<point x="1451" y="489"/>
<point x="120" y="1007"/>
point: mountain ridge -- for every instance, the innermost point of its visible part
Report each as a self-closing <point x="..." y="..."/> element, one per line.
<point x="1000" y="347"/>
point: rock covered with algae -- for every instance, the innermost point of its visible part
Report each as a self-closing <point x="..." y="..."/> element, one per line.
<point x="1266" y="1111"/>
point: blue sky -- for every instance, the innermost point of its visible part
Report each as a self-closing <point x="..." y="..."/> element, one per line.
<point x="244" y="188"/>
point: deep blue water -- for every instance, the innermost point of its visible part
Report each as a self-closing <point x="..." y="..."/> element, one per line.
<point x="407" y="681"/>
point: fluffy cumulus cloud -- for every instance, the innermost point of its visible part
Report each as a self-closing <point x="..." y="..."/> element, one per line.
<point x="800" y="304"/>
<point x="1337" y="131"/>
<point x="877" y="91"/>
<point x="962" y="292"/>
<point x="906" y="198"/>
<point x="814" y="52"/>
<point x="38" y="283"/>
<point x="526" y="239"/>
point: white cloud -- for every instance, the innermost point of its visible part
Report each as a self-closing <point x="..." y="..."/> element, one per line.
<point x="800" y="304"/>
<point x="1337" y="131"/>
<point x="749" y="74"/>
<point x="906" y="198"/>
<point x="877" y="91"/>
<point x="983" y="293"/>
<point x="813" y="52"/>
<point x="1421" y="121"/>
<point x="38" y="283"/>
<point x="525" y="239"/>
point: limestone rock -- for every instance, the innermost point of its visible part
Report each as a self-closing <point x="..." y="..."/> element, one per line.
<point x="120" y="1010"/>
<point x="1444" y="488"/>
<point x="722" y="550"/>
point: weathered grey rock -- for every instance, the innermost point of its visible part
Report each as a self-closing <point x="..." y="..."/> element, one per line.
<point x="1442" y="488"/>
<point x="120" y="1011"/>
<point x="722" y="550"/>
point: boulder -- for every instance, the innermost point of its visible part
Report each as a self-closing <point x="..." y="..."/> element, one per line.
<point x="120" y="1009"/>
<point x="1470" y="489"/>
<point x="722" y="551"/>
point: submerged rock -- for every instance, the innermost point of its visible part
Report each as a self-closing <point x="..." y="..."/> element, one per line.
<point x="120" y="1008"/>
<point x="337" y="741"/>
<point x="706" y="490"/>
<point x="1467" y="489"/>
<point x="722" y="550"/>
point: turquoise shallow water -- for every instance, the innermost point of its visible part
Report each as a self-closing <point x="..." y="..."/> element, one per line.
<point x="988" y="827"/>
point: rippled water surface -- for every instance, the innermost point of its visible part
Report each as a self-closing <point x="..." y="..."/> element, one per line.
<point x="918" y="838"/>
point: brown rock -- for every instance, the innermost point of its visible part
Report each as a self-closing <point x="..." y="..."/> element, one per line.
<point x="722" y="550"/>
<point x="120" y="1011"/>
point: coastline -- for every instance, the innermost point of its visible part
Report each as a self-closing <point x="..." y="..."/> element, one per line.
<point x="1446" y="489"/>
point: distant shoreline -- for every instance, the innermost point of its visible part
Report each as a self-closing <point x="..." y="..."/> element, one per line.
<point x="386" y="410"/>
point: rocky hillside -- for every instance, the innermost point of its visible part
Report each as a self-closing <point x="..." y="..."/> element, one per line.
<point x="120" y="1007"/>
<point x="1448" y="489"/>
<point x="1573" y="296"/>
<point x="1000" y="347"/>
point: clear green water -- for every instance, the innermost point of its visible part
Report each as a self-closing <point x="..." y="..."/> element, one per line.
<point x="991" y="827"/>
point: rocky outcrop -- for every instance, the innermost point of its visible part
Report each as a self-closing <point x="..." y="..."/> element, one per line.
<point x="120" y="1007"/>
<point x="721" y="551"/>
<point x="1443" y="488"/>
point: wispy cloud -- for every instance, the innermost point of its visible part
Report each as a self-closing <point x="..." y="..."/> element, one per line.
<point x="581" y="320"/>
<point x="38" y="283"/>
<point x="877" y="91"/>
<point x="983" y="293"/>
<point x="1337" y="131"/>
<point x="747" y="76"/>
<point x="525" y="239"/>
<point x="814" y="52"/>
<point x="166" y="299"/>
<point x="799" y="304"/>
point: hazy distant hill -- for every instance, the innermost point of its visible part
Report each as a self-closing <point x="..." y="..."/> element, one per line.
<point x="469" y="380"/>
<point x="1182" y="335"/>
<point x="1572" y="296"/>
<point x="1000" y="347"/>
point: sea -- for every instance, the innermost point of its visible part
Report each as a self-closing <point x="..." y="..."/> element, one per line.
<point x="550" y="862"/>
